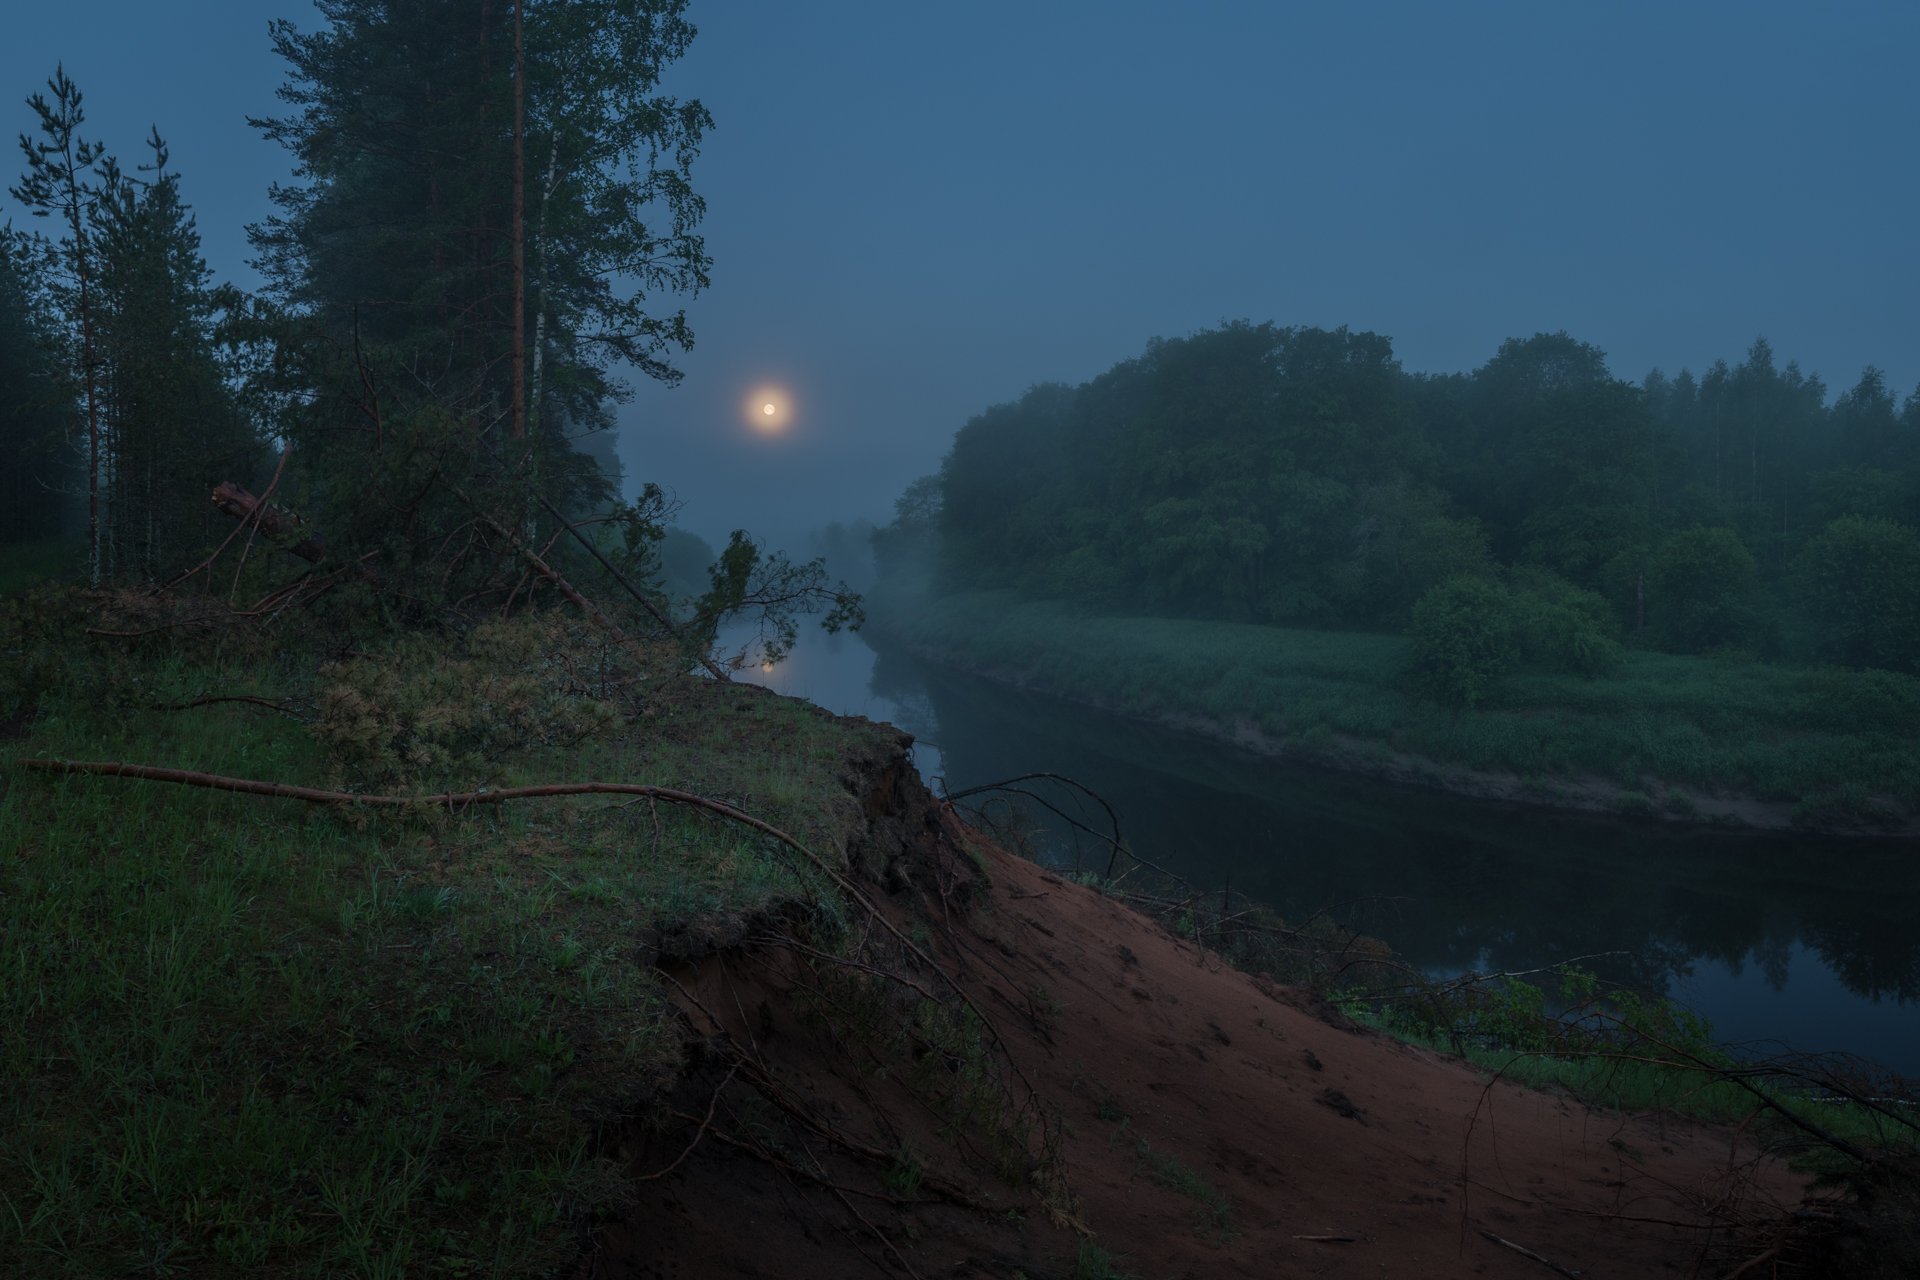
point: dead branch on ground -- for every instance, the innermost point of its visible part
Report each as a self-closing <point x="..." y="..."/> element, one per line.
<point x="457" y="801"/>
<point x="282" y="707"/>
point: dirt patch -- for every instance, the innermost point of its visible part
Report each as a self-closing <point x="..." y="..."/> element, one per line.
<point x="1205" y="1123"/>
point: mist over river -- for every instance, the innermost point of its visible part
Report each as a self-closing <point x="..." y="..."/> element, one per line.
<point x="1781" y="940"/>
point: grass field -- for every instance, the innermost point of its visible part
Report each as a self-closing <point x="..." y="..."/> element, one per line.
<point x="1841" y="745"/>
<point x="246" y="1036"/>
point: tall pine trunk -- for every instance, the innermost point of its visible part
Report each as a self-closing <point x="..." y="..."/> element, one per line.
<point x="74" y="202"/>
<point x="519" y="225"/>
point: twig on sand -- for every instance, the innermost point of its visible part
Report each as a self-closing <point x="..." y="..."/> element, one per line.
<point x="713" y="1104"/>
<point x="1758" y="1259"/>
<point x="1525" y="1252"/>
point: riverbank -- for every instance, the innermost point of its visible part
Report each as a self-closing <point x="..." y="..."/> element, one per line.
<point x="1678" y="739"/>
<point x="618" y="1035"/>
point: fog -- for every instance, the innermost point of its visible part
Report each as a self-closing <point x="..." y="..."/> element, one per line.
<point x="914" y="214"/>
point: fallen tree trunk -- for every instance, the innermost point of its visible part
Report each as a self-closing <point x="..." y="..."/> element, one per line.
<point x="241" y="505"/>
<point x="445" y="799"/>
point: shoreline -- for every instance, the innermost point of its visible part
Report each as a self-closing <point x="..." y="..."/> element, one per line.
<point x="1664" y="801"/>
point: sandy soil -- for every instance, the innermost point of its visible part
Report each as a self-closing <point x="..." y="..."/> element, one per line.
<point x="1208" y="1123"/>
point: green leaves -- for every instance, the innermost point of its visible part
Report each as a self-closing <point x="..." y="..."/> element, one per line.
<point x="771" y="592"/>
<point x="1464" y="638"/>
<point x="1858" y="586"/>
<point x="1700" y="587"/>
<point x="1469" y="632"/>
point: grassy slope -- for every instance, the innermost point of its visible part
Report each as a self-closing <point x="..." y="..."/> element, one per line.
<point x="248" y="1037"/>
<point x="1839" y="744"/>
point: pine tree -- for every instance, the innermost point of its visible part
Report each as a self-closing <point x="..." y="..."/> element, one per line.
<point x="172" y="426"/>
<point x="398" y="247"/>
<point x="61" y="182"/>
<point x="38" y="462"/>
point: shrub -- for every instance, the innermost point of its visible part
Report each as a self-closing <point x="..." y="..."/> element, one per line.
<point x="434" y="707"/>
<point x="1467" y="633"/>
<point x="1560" y="627"/>
<point x="1463" y="639"/>
<point x="1700" y="587"/>
<point x="1858" y="585"/>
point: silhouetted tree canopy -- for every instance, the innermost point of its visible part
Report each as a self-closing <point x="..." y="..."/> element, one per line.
<point x="1300" y="476"/>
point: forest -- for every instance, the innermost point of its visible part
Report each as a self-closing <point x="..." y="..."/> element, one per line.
<point x="457" y="285"/>
<point x="399" y="877"/>
<point x="1536" y="512"/>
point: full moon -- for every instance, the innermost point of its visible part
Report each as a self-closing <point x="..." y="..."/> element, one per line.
<point x="767" y="408"/>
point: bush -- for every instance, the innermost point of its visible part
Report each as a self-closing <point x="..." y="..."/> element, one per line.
<point x="1463" y="639"/>
<point x="1700" y="587"/>
<point x="1468" y="632"/>
<point x="1560" y="627"/>
<point x="1858" y="585"/>
<point x="436" y="708"/>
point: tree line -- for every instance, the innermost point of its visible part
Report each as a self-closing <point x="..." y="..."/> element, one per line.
<point x="113" y="393"/>
<point x="491" y="201"/>
<point x="1537" y="509"/>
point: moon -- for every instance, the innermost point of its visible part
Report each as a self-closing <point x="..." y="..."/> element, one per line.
<point x="767" y="408"/>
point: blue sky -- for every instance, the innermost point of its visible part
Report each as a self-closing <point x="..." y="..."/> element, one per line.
<point x="919" y="210"/>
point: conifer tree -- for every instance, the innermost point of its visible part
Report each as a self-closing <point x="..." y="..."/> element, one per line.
<point x="398" y="245"/>
<point x="38" y="464"/>
<point x="172" y="426"/>
<point x="61" y="183"/>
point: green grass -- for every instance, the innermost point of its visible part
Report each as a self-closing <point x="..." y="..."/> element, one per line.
<point x="1216" y="1213"/>
<point x="1678" y="1071"/>
<point x="247" y="1037"/>
<point x="1091" y="1262"/>
<point x="1837" y="743"/>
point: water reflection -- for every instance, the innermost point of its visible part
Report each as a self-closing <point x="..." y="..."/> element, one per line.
<point x="1805" y="940"/>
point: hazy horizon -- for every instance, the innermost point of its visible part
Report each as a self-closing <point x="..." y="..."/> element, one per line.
<point x="914" y="216"/>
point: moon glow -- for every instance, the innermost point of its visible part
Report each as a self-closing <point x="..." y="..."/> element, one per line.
<point x="767" y="409"/>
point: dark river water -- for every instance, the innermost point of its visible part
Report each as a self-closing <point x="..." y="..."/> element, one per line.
<point x="1782" y="941"/>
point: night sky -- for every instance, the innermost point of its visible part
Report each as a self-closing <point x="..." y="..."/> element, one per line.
<point x="916" y="211"/>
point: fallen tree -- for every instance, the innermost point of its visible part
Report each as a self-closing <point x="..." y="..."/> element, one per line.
<point x="275" y="523"/>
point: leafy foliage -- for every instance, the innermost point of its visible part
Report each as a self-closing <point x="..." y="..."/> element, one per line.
<point x="770" y="591"/>
<point x="1700" y="590"/>
<point x="1467" y="633"/>
<point x="1463" y="639"/>
<point x="1300" y="477"/>
<point x="1859" y="582"/>
<point x="38" y="464"/>
<point x="115" y="312"/>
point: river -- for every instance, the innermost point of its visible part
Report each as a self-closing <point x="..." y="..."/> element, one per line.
<point x="1781" y="940"/>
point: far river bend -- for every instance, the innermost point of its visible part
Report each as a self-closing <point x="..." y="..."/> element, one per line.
<point x="1781" y="940"/>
